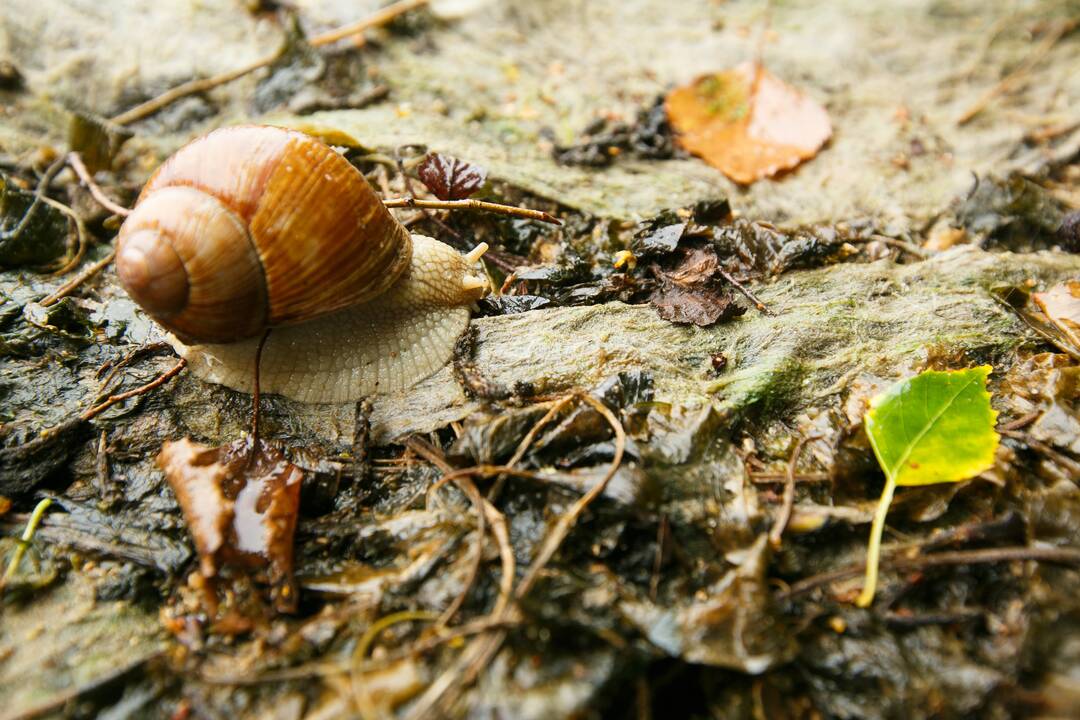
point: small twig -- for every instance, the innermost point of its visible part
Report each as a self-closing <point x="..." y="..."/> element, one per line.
<point x="497" y="521"/>
<point x="1021" y="422"/>
<point x="96" y="410"/>
<point x="745" y="291"/>
<point x="1009" y="81"/>
<point x="360" y="694"/>
<point x="1060" y="555"/>
<point x="101" y="457"/>
<point x="782" y="519"/>
<point x="1070" y="464"/>
<point x="567" y="520"/>
<point x="907" y="247"/>
<point x="526" y="442"/>
<point x="95" y="190"/>
<point x="772" y="478"/>
<point x="193" y="87"/>
<point x="70" y="286"/>
<point x="24" y="542"/>
<point x="322" y="669"/>
<point x="80" y="231"/>
<point x="465" y="484"/>
<point x="472" y="205"/>
<point x="480" y="651"/>
<point x="382" y="17"/>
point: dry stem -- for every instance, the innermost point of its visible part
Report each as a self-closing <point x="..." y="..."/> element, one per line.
<point x="95" y="190"/>
<point x="472" y="205"/>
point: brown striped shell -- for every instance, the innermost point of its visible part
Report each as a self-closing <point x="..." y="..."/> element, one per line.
<point x="252" y="227"/>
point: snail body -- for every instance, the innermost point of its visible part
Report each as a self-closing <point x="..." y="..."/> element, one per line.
<point x="254" y="227"/>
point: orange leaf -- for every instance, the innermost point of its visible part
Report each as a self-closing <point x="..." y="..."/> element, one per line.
<point x="747" y="123"/>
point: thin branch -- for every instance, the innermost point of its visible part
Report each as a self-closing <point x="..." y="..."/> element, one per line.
<point x="1058" y="555"/>
<point x="478" y="653"/>
<point x="473" y="205"/>
<point x="1007" y="83"/>
<point x="1071" y="465"/>
<point x="526" y="442"/>
<point x="782" y="519"/>
<point x="96" y="410"/>
<point x="466" y="485"/>
<point x="194" y="87"/>
<point x="80" y="234"/>
<point x="907" y="247"/>
<point x="70" y="286"/>
<point x="745" y="291"/>
<point x="95" y="190"/>
<point x="382" y="17"/>
<point x="567" y="521"/>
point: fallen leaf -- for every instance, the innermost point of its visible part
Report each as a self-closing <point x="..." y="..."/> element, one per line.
<point x="935" y="427"/>
<point x="691" y="292"/>
<point x="240" y="504"/>
<point x="1061" y="304"/>
<point x="747" y="123"/>
<point x="449" y="178"/>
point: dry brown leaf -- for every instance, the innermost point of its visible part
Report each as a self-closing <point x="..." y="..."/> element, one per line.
<point x="747" y="123"/>
<point x="1061" y="304"/>
<point x="240" y="506"/>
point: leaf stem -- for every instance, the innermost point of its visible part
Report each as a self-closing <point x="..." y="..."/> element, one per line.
<point x="873" y="552"/>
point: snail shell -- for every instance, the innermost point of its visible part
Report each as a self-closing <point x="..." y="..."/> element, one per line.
<point x="254" y="227"/>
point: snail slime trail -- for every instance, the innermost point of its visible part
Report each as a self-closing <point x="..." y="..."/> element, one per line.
<point x="254" y="227"/>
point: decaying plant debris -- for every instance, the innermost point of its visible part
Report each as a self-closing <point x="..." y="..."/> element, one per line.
<point x="642" y="487"/>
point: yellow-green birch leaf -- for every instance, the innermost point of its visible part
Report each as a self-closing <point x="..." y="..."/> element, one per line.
<point x="932" y="428"/>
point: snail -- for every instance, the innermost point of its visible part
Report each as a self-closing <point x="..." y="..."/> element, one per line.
<point x="257" y="227"/>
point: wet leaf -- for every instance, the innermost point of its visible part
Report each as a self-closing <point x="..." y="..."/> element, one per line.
<point x="747" y="123"/>
<point x="28" y="239"/>
<point x="511" y="304"/>
<point x="240" y="503"/>
<point x="662" y="239"/>
<point x="1061" y="304"/>
<point x="449" y="178"/>
<point x="731" y="624"/>
<point x="935" y="427"/>
<point x="759" y="247"/>
<point x="691" y="293"/>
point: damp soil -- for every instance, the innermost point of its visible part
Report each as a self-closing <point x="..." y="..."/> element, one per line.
<point x="572" y="518"/>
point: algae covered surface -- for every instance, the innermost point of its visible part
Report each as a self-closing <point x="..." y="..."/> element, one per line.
<point x="635" y="491"/>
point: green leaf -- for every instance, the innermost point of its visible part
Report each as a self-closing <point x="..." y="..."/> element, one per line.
<point x="932" y="428"/>
<point x="935" y="427"/>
